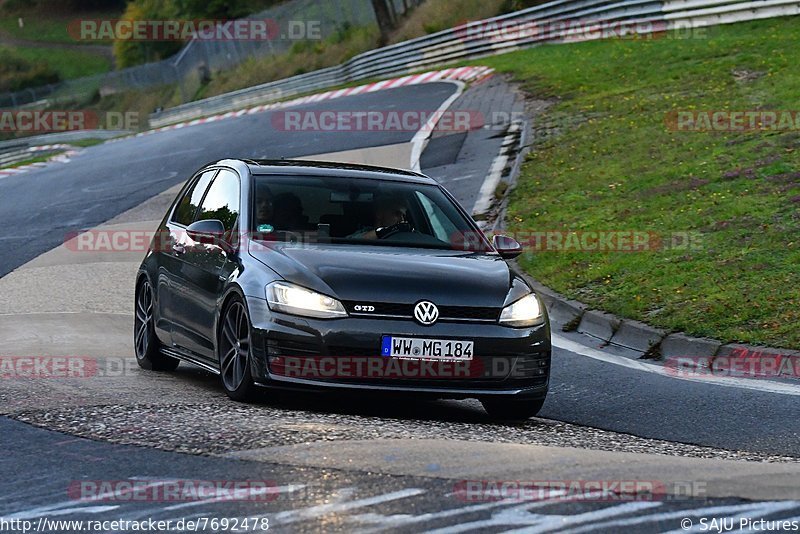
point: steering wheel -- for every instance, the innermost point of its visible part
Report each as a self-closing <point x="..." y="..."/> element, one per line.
<point x="388" y="231"/>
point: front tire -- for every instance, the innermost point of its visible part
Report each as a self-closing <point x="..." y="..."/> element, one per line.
<point x="512" y="409"/>
<point x="235" y="354"/>
<point x="145" y="342"/>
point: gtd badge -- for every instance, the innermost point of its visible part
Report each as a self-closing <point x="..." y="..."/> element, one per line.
<point x="426" y="312"/>
<point x="360" y="308"/>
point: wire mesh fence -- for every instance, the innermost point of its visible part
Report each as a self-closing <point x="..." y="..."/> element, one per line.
<point x="295" y="21"/>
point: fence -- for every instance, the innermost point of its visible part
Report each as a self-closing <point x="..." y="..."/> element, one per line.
<point x="199" y="57"/>
<point x="492" y="36"/>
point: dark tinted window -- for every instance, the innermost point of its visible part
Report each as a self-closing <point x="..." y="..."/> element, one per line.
<point x="184" y="213"/>
<point x="356" y="211"/>
<point x="222" y="200"/>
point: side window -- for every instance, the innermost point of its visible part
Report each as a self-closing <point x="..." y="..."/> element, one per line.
<point x="222" y="200"/>
<point x="187" y="207"/>
<point x="442" y="227"/>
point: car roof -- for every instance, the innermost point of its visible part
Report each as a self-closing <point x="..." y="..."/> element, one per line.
<point x="330" y="168"/>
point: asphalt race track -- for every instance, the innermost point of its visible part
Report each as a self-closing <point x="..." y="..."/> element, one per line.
<point x="342" y="464"/>
<point x="105" y="180"/>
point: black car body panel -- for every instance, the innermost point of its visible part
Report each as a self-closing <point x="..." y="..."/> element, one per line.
<point x="377" y="285"/>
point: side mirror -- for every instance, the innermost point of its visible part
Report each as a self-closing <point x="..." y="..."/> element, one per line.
<point x="203" y="231"/>
<point x="507" y="247"/>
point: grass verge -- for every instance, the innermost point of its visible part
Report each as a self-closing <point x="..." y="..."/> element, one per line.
<point x="605" y="160"/>
<point x="67" y="63"/>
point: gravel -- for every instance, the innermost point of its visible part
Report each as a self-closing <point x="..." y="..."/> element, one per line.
<point x="222" y="427"/>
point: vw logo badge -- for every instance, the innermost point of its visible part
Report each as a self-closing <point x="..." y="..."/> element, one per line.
<point x="426" y="312"/>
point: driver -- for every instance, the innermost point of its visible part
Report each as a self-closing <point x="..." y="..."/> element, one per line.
<point x="390" y="213"/>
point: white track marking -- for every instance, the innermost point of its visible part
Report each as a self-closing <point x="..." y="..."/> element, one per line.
<point x="742" y="383"/>
<point x="421" y="137"/>
<point x="521" y="516"/>
<point x="250" y="495"/>
<point x="499" y="163"/>
<point x="313" y="512"/>
<point x="399" y="520"/>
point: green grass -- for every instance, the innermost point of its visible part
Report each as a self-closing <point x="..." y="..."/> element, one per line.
<point x="86" y="143"/>
<point x="610" y="163"/>
<point x="45" y="25"/>
<point x="68" y="63"/>
<point x="38" y="28"/>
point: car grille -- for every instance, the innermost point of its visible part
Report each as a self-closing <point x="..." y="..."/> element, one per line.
<point x="406" y="311"/>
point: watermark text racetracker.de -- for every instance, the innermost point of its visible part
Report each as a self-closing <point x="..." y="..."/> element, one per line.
<point x="198" y="29"/>
<point x="409" y="120"/>
<point x="592" y="241"/>
<point x="46" y="121"/>
<point x="711" y="120"/>
<point x="60" y="367"/>
<point x="740" y="363"/>
<point x="593" y="490"/>
<point x="576" y="29"/>
<point x="393" y="120"/>
<point x="425" y="363"/>
<point x="176" y="491"/>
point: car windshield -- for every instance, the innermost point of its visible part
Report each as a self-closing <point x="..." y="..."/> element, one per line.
<point x="318" y="209"/>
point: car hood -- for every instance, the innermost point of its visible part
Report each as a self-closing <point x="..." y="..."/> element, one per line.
<point x="392" y="274"/>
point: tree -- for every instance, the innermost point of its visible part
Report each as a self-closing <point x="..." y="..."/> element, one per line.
<point x="386" y="22"/>
<point x="132" y="52"/>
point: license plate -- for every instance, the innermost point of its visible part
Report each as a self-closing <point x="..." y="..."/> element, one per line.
<point x="426" y="349"/>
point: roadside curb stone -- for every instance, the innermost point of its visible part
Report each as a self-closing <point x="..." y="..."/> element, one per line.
<point x="765" y="362"/>
<point x="599" y="324"/>
<point x="637" y="336"/>
<point x="643" y="338"/>
<point x="648" y="341"/>
<point x="683" y="346"/>
<point x="791" y="368"/>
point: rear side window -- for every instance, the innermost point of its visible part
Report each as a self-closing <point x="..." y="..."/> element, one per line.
<point x="187" y="207"/>
<point x="222" y="200"/>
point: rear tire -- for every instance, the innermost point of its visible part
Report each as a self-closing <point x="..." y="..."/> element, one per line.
<point x="145" y="342"/>
<point x="235" y="352"/>
<point x="512" y="409"/>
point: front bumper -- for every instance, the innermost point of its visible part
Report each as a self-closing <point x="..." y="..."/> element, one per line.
<point x="293" y="352"/>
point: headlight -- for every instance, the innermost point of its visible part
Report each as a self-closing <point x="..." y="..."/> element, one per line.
<point x="289" y="298"/>
<point x="525" y="312"/>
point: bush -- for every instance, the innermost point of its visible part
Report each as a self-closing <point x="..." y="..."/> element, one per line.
<point x="17" y="74"/>
<point x="129" y="53"/>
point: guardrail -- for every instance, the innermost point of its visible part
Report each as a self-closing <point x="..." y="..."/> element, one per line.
<point x="553" y="22"/>
<point x="13" y="153"/>
<point x="19" y="149"/>
<point x="59" y="137"/>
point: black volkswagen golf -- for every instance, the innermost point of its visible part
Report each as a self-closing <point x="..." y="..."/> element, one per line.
<point x="290" y="274"/>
